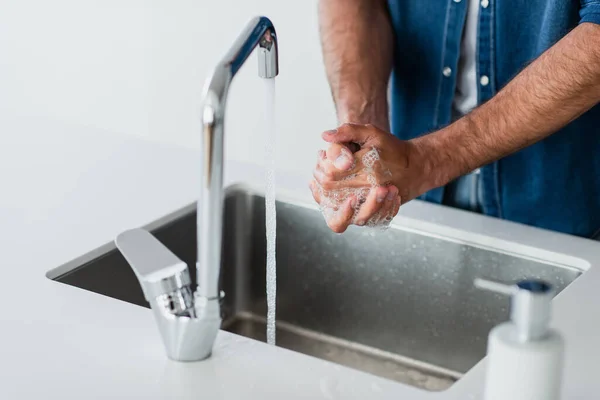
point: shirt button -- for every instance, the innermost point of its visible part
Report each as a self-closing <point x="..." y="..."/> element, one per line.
<point x="484" y="80"/>
<point x="485" y="3"/>
<point x="457" y="1"/>
<point x="447" y="71"/>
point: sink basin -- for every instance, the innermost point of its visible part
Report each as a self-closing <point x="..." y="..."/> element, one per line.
<point x="399" y="303"/>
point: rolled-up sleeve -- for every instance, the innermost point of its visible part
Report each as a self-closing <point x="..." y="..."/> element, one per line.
<point x="590" y="11"/>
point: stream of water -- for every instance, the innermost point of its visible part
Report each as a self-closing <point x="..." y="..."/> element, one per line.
<point x="270" y="211"/>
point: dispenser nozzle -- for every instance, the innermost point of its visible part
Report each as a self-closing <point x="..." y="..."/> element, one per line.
<point x="530" y="305"/>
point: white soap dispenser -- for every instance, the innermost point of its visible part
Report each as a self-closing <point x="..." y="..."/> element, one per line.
<point x="525" y="356"/>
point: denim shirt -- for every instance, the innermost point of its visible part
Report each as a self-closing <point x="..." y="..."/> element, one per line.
<point x="554" y="184"/>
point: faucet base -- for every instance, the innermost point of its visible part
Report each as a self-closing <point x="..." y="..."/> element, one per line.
<point x="190" y="338"/>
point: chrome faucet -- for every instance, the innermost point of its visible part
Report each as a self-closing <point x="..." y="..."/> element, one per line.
<point x="189" y="321"/>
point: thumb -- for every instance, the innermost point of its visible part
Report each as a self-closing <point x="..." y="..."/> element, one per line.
<point x="349" y="133"/>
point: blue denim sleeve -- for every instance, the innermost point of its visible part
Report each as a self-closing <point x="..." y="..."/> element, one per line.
<point x="590" y="11"/>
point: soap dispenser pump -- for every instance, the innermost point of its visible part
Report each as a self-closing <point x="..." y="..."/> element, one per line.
<point x="525" y="356"/>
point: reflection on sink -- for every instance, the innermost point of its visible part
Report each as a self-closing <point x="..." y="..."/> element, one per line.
<point x="398" y="304"/>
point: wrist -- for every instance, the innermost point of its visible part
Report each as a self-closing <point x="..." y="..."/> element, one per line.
<point x="442" y="155"/>
<point x="426" y="164"/>
<point x="365" y="111"/>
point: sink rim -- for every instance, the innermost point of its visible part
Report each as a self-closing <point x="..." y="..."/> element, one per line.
<point x="439" y="229"/>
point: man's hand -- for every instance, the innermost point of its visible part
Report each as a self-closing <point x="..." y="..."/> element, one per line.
<point x="370" y="184"/>
<point x="358" y="48"/>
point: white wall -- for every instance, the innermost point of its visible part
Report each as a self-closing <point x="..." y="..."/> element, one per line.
<point x="137" y="67"/>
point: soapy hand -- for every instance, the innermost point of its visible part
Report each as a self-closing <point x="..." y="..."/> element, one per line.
<point x="364" y="176"/>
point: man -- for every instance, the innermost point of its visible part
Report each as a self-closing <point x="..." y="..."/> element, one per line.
<point x="507" y="88"/>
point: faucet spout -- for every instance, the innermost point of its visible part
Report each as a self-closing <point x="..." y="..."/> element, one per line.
<point x="259" y="32"/>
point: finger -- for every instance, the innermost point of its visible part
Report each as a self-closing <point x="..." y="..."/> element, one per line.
<point x="372" y="205"/>
<point x="340" y="156"/>
<point x="394" y="212"/>
<point x="342" y="218"/>
<point x="332" y="182"/>
<point x="387" y="209"/>
<point x="316" y="193"/>
<point x="318" y="172"/>
<point x="321" y="155"/>
<point x="397" y="204"/>
<point x="350" y="133"/>
<point x="331" y="178"/>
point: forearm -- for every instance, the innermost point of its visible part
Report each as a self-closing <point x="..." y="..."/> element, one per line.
<point x="357" y="42"/>
<point x="559" y="86"/>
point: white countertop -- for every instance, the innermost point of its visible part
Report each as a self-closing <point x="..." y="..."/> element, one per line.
<point x="69" y="189"/>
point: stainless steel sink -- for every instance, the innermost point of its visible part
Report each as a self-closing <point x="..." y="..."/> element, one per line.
<point x="399" y="304"/>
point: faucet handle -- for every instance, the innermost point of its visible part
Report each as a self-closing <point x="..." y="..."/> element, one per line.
<point x="156" y="267"/>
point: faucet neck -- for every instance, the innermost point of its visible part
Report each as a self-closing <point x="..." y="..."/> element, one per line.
<point x="259" y="32"/>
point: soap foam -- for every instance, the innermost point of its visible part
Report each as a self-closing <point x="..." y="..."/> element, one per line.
<point x="333" y="200"/>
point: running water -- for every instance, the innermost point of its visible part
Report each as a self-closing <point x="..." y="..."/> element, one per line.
<point x="270" y="212"/>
